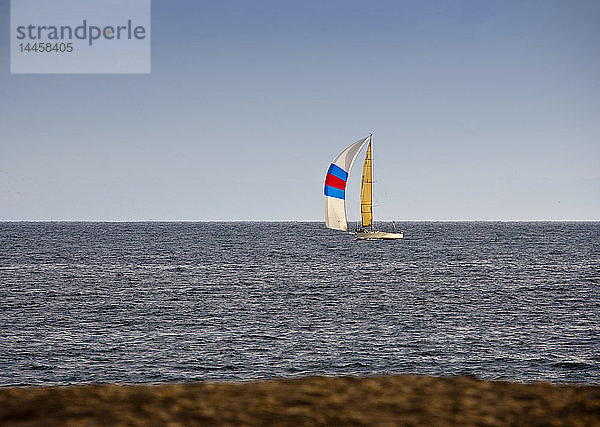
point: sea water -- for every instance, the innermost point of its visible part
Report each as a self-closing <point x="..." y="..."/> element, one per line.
<point x="179" y="302"/>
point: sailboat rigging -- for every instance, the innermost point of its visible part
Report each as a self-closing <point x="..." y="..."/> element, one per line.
<point x="335" y="192"/>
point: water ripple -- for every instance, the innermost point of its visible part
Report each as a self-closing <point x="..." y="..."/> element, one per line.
<point x="163" y="302"/>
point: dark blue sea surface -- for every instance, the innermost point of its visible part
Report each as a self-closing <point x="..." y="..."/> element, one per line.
<point x="175" y="302"/>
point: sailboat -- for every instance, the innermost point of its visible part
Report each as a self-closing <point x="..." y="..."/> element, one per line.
<point x="335" y="193"/>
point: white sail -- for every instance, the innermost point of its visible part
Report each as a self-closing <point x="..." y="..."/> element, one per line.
<point x="335" y="186"/>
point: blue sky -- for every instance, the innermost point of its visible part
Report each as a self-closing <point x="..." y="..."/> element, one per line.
<point x="481" y="110"/>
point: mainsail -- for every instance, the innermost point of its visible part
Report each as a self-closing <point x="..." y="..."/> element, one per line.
<point x="366" y="190"/>
<point x="335" y="186"/>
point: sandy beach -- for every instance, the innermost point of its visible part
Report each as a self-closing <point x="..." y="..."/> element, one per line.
<point x="384" y="400"/>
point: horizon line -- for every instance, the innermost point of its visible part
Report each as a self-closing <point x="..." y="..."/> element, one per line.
<point x="277" y="220"/>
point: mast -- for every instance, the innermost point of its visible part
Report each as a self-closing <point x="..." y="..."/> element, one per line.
<point x="366" y="189"/>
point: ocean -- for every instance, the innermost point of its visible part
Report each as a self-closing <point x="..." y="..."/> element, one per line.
<point x="179" y="302"/>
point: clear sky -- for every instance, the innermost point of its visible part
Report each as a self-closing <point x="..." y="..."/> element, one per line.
<point x="481" y="110"/>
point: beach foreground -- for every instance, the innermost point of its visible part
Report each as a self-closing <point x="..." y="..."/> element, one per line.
<point x="384" y="400"/>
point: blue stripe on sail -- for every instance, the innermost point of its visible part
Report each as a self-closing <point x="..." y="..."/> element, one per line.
<point x="335" y="170"/>
<point x="335" y="192"/>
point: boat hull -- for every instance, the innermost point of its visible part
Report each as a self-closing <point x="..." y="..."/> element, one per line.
<point x="378" y="235"/>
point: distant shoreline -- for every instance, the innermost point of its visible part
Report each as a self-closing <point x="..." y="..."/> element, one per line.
<point x="380" y="400"/>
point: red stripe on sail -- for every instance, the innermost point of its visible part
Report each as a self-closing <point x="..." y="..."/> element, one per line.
<point x="335" y="182"/>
